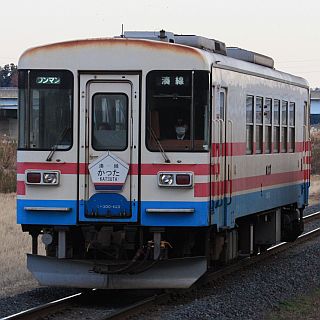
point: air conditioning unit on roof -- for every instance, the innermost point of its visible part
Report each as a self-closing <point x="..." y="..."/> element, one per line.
<point x="250" y="56"/>
<point x="201" y="43"/>
<point x="187" y="40"/>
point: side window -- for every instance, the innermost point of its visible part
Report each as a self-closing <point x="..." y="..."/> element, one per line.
<point x="259" y="125"/>
<point x="292" y="108"/>
<point x="249" y="124"/>
<point x="284" y="126"/>
<point x="276" y="126"/>
<point x="109" y="121"/>
<point x="222" y="103"/>
<point x="267" y="119"/>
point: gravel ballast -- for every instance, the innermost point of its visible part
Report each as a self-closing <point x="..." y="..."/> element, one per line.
<point x="253" y="292"/>
<point x="248" y="294"/>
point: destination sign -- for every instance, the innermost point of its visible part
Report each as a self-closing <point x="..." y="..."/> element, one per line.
<point x="172" y="81"/>
<point x="48" y="80"/>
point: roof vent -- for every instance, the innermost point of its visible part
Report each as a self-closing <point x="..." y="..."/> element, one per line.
<point x="201" y="43"/>
<point x="250" y="56"/>
<point x="150" y="35"/>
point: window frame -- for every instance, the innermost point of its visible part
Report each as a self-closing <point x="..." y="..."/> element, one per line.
<point x="259" y="125"/>
<point x="284" y="127"/>
<point x="276" y="121"/>
<point x="291" y="128"/>
<point x="250" y="125"/>
<point x="267" y="126"/>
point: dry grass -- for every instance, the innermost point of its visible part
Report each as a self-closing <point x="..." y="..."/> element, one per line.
<point x="315" y="152"/>
<point x="7" y="165"/>
<point x="14" y="276"/>
<point x="314" y="191"/>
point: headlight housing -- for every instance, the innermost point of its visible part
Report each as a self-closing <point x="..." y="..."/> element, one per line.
<point x="175" y="179"/>
<point x="42" y="177"/>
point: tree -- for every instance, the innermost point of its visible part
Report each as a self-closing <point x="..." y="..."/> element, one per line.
<point x="8" y="75"/>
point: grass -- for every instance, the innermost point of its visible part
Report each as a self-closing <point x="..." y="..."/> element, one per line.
<point x="14" y="275"/>
<point x="306" y="307"/>
<point x="315" y="153"/>
<point x="7" y="165"/>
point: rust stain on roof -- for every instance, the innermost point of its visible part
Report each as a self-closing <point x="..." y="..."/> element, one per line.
<point x="113" y="42"/>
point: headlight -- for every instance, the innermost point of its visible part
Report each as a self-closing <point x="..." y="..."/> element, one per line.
<point x="166" y="179"/>
<point x="50" y="177"/>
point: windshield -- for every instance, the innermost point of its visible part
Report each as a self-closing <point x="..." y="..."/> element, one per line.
<point x="178" y="110"/>
<point x="45" y="109"/>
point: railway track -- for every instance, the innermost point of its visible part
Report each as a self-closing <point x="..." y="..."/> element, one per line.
<point x="160" y="296"/>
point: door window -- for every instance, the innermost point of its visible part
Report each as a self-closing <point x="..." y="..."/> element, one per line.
<point x="110" y="121"/>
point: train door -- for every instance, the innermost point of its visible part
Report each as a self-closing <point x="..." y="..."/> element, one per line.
<point x="109" y="130"/>
<point x="220" y="154"/>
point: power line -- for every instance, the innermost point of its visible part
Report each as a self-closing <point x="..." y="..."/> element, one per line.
<point x="299" y="61"/>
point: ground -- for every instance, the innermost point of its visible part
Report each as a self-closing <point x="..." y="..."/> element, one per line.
<point x="314" y="191"/>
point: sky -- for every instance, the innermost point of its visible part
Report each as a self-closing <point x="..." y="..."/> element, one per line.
<point x="286" y="30"/>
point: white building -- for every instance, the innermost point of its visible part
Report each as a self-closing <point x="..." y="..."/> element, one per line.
<point x="8" y="112"/>
<point x="315" y="101"/>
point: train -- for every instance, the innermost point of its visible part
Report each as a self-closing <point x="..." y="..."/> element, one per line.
<point x="145" y="160"/>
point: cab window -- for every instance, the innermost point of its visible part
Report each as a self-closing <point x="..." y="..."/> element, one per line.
<point x="177" y="110"/>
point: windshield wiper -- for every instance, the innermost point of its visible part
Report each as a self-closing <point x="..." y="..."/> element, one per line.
<point x="55" y="146"/>
<point x="154" y="137"/>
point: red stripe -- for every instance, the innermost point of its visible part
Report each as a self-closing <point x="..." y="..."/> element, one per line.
<point x="265" y="180"/>
<point x="299" y="146"/>
<point x="153" y="169"/>
<point x="83" y="168"/>
<point x="21" y="188"/>
<point x="202" y="190"/>
<point x="65" y="168"/>
<point x="215" y="168"/>
<point x="226" y="149"/>
<point x="146" y="169"/>
<point x="133" y="169"/>
<point x="307" y="160"/>
<point x="229" y="149"/>
<point x="248" y="183"/>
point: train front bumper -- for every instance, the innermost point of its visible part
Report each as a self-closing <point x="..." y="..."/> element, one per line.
<point x="170" y="274"/>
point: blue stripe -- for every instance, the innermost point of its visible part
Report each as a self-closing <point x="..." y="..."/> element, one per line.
<point x="108" y="188"/>
<point x="198" y="218"/>
<point x="243" y="205"/>
<point x="222" y="216"/>
<point x="47" y="217"/>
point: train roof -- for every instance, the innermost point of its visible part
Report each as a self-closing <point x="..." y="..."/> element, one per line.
<point x="160" y="48"/>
